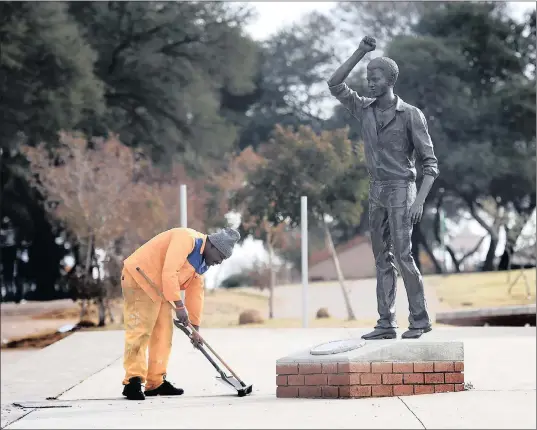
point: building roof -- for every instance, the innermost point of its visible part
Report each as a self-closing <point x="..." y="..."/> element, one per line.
<point x="324" y="254"/>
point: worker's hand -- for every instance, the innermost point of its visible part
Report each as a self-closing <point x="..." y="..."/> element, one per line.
<point x="195" y="338"/>
<point x="182" y="315"/>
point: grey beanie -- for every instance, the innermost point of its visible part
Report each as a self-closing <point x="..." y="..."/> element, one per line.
<point x="224" y="240"/>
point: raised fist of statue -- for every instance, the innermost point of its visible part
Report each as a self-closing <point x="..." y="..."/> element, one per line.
<point x="368" y="44"/>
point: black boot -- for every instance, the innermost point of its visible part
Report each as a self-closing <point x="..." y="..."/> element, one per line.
<point x="380" y="333"/>
<point x="415" y="333"/>
<point x="165" y="389"/>
<point x="133" y="390"/>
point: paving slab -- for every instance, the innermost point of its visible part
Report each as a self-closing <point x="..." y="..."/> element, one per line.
<point x="60" y="366"/>
<point x="11" y="414"/>
<point x="245" y="413"/>
<point x="499" y="363"/>
<point x="252" y="353"/>
<point x="9" y="357"/>
<point x="476" y="409"/>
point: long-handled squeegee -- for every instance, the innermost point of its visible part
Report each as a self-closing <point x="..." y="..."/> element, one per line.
<point x="234" y="381"/>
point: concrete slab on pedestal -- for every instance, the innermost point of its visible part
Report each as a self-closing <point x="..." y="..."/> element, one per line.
<point x="400" y="350"/>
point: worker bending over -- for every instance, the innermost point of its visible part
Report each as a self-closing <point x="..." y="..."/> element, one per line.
<point x="174" y="260"/>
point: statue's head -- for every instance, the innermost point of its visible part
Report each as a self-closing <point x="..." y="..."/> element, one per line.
<point x="382" y="73"/>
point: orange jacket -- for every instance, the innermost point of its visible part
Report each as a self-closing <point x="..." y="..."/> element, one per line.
<point x="173" y="260"/>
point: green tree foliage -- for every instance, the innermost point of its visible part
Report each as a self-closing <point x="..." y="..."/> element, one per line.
<point x="319" y="166"/>
<point x="468" y="71"/>
<point x="385" y="19"/>
<point x="162" y="75"/>
<point x="47" y="80"/>
<point x="294" y="65"/>
<point x="46" y="84"/>
<point x="166" y="67"/>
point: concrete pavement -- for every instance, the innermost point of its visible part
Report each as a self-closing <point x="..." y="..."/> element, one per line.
<point x="84" y="371"/>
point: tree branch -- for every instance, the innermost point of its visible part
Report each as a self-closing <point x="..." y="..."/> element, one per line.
<point x="168" y="49"/>
<point x="131" y="38"/>
<point x="473" y="250"/>
<point x="480" y="220"/>
<point x="180" y="125"/>
<point x="453" y="258"/>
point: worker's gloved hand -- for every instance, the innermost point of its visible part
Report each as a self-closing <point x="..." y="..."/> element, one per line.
<point x="182" y="315"/>
<point x="195" y="338"/>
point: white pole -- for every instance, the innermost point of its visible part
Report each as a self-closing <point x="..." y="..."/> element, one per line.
<point x="182" y="214"/>
<point x="182" y="205"/>
<point x="304" y="236"/>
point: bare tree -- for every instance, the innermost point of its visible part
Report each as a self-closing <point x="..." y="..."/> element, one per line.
<point x="96" y="190"/>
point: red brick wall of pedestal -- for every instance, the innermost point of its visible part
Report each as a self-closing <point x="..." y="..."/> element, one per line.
<point x="377" y="379"/>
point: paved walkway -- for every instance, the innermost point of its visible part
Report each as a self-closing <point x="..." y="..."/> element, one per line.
<point x="84" y="373"/>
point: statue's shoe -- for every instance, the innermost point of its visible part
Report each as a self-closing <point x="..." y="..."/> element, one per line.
<point x="380" y="333"/>
<point x="415" y="333"/>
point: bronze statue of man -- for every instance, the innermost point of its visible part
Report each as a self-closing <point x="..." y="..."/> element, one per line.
<point x="394" y="134"/>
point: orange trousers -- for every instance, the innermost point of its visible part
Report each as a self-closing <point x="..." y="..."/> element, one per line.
<point x="148" y="324"/>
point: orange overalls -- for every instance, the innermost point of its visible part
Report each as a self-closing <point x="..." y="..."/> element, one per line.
<point x="173" y="260"/>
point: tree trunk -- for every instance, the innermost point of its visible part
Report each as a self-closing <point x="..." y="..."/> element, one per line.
<point x="494" y="239"/>
<point x="493" y="230"/>
<point x="102" y="312"/>
<point x="108" y="305"/>
<point x="416" y="247"/>
<point x="89" y="253"/>
<point x="454" y="259"/>
<point x="512" y="235"/>
<point x="437" y="226"/>
<point x="505" y="260"/>
<point x="421" y="239"/>
<point x="332" y="250"/>
<point x="488" y="265"/>
<point x="465" y="256"/>
<point x="83" y="308"/>
<point x="439" y="233"/>
<point x="86" y="279"/>
<point x="101" y="299"/>
<point x="272" y="281"/>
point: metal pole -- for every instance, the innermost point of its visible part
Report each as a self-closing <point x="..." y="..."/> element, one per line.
<point x="182" y="205"/>
<point x="183" y="216"/>
<point x="304" y="236"/>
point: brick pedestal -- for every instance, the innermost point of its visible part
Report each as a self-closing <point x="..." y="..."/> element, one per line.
<point x="384" y="368"/>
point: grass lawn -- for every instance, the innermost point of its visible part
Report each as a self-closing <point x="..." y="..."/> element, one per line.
<point x="222" y="307"/>
<point x="482" y="290"/>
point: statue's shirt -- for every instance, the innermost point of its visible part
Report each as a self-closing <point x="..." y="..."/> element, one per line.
<point x="393" y="139"/>
<point x="383" y="116"/>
